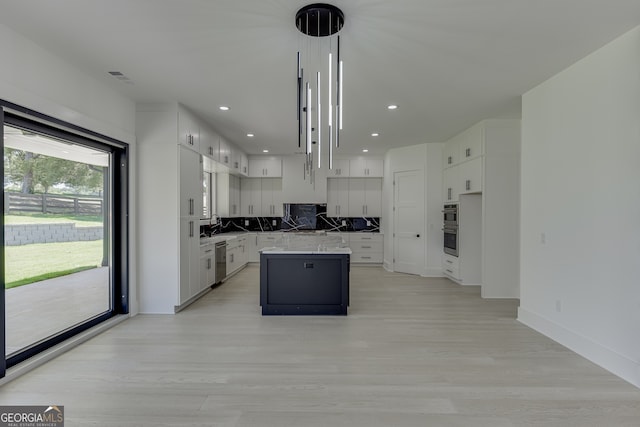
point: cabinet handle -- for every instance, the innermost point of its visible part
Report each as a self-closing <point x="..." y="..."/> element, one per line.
<point x="448" y="193"/>
<point x="366" y="257"/>
<point x="190" y="228"/>
<point x="468" y="152"/>
<point x="449" y="271"/>
<point x="449" y="261"/>
<point x="468" y="185"/>
<point x="365" y="247"/>
<point x="449" y="160"/>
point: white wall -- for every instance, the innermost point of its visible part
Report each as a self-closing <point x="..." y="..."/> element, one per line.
<point x="33" y="78"/>
<point x="581" y="188"/>
<point x="426" y="158"/>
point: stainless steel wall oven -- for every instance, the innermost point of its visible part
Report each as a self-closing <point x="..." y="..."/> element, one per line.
<point x="450" y="229"/>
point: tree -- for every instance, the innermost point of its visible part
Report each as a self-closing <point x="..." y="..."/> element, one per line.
<point x="40" y="172"/>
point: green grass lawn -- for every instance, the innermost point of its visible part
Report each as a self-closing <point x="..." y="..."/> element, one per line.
<point x="29" y="263"/>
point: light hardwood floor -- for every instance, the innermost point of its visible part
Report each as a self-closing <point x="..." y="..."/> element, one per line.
<point x="412" y="352"/>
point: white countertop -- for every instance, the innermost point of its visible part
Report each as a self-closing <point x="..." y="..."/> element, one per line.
<point x="309" y="251"/>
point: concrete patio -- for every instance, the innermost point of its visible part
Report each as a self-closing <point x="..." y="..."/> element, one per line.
<point x="39" y="310"/>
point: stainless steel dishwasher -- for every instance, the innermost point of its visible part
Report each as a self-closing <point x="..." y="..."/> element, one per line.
<point x="221" y="261"/>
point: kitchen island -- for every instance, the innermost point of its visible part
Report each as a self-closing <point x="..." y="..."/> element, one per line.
<point x="303" y="281"/>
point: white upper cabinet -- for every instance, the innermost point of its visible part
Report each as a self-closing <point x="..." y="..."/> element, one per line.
<point x="450" y="153"/>
<point x="188" y="130"/>
<point x="250" y="197"/>
<point x="225" y="153"/>
<point x="450" y="183"/>
<point x="337" y="197"/>
<point x="272" y="197"/>
<point x="244" y="164"/>
<point x="365" y="197"/>
<point x="470" y="174"/>
<point x="471" y="143"/>
<point x="366" y="167"/>
<point x="227" y="195"/>
<point x="209" y="143"/>
<point x="340" y="169"/>
<point x="265" y="167"/>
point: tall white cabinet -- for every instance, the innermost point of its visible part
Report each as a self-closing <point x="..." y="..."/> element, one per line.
<point x="170" y="203"/>
<point x="481" y="172"/>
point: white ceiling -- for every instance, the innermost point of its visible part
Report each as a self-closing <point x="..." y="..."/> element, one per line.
<point x="447" y="63"/>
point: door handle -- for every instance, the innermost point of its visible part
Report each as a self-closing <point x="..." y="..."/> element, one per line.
<point x="417" y="235"/>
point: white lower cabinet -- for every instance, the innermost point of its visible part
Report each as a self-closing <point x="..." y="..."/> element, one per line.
<point x="236" y="254"/>
<point x="189" y="259"/>
<point x="366" y="247"/>
<point x="450" y="266"/>
<point x="207" y="265"/>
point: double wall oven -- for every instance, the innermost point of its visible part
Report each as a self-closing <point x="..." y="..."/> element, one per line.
<point x="450" y="229"/>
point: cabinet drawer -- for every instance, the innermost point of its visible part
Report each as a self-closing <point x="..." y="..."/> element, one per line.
<point x="452" y="272"/>
<point x="363" y="247"/>
<point x="357" y="238"/>
<point x="449" y="261"/>
<point x="374" y="257"/>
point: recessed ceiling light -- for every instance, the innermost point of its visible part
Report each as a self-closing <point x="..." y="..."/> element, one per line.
<point x="265" y="151"/>
<point x="224" y="108"/>
<point x="375" y="134"/>
<point x="392" y="107"/>
<point x="250" y="135"/>
<point x="365" y="150"/>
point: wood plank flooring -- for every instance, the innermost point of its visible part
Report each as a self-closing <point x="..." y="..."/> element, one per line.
<point x="412" y="352"/>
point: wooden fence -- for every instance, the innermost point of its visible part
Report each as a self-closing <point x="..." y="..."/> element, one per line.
<point x="51" y="203"/>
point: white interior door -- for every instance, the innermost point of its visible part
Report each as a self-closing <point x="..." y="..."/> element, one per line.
<point x="408" y="241"/>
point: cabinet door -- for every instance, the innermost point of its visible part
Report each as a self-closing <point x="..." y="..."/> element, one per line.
<point x="364" y="167"/>
<point x="337" y="197"/>
<point x="209" y="143"/>
<point x="450" y="153"/>
<point x="227" y="195"/>
<point x="189" y="259"/>
<point x="265" y="167"/>
<point x="188" y="130"/>
<point x="236" y="159"/>
<point x="225" y="153"/>
<point x="373" y="197"/>
<point x="374" y="168"/>
<point x="357" y="197"/>
<point x="244" y="164"/>
<point x="450" y="184"/>
<point x="472" y="143"/>
<point x="190" y="183"/>
<point x="470" y="176"/>
<point x="234" y="196"/>
<point x="272" y="197"/>
<point x="340" y="168"/>
<point x="251" y="197"/>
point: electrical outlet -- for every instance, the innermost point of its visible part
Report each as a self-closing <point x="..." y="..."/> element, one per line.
<point x="246" y="222"/>
<point x="274" y="222"/>
<point x="344" y="223"/>
<point x="368" y="223"/>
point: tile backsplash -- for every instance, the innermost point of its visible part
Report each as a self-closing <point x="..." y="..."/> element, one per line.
<point x="296" y="218"/>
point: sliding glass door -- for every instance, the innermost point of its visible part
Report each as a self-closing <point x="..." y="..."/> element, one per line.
<point x="64" y="226"/>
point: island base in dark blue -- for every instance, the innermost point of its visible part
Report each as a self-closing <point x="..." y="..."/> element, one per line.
<point x="304" y="284"/>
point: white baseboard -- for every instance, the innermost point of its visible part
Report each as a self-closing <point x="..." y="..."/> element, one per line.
<point x="617" y="364"/>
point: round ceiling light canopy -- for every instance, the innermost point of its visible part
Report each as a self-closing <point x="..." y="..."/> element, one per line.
<point x="319" y="20"/>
